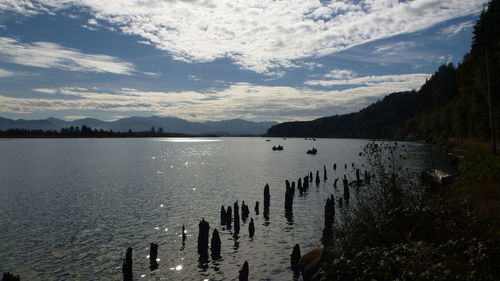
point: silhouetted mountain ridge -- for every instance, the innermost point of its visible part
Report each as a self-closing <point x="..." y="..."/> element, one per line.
<point x="136" y="124"/>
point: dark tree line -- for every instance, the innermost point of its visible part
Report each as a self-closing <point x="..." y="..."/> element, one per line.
<point x="453" y="103"/>
<point x="84" y="132"/>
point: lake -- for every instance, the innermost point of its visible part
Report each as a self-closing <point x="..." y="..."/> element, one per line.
<point x="69" y="208"/>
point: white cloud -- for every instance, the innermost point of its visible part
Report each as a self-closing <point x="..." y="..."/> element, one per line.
<point x="341" y="74"/>
<point x="259" y="35"/>
<point x="453" y="30"/>
<point x="242" y="100"/>
<point x="92" y="21"/>
<point x="6" y="73"/>
<point x="394" y="48"/>
<point x="403" y="81"/>
<point x="51" y="55"/>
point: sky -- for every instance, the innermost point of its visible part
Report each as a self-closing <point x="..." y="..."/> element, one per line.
<point x="259" y="60"/>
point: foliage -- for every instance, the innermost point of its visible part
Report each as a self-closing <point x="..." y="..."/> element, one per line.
<point x="442" y="235"/>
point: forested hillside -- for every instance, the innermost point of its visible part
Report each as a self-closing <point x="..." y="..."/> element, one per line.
<point x="453" y="103"/>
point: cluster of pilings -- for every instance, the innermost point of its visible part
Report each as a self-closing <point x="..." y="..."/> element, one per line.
<point x="230" y="219"/>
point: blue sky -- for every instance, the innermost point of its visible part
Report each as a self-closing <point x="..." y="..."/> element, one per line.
<point x="217" y="59"/>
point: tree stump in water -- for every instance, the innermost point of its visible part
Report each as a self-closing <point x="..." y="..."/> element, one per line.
<point x="153" y="255"/>
<point x="203" y="235"/>
<point x="215" y="244"/>
<point x="244" y="272"/>
<point x="127" y="266"/>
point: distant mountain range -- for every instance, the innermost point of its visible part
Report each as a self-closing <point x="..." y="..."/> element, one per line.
<point x="136" y="124"/>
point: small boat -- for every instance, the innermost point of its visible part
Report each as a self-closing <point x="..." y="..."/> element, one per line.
<point x="268" y="140"/>
<point x="279" y="147"/>
<point x="312" y="151"/>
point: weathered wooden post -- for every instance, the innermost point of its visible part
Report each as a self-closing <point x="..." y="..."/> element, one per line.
<point x="127" y="266"/>
<point x="183" y="233"/>
<point x="325" y="177"/>
<point x="346" y="189"/>
<point x="267" y="201"/>
<point x="335" y="166"/>
<point x="295" y="257"/>
<point x="244" y="272"/>
<point x="335" y="183"/>
<point x="256" y="208"/>
<point x="153" y="255"/>
<point x="223" y="215"/>
<point x="310" y="176"/>
<point x="236" y="218"/>
<point x="317" y="178"/>
<point x="215" y="244"/>
<point x="203" y="235"/>
<point x="229" y="217"/>
<point x="244" y="211"/>
<point x="329" y="218"/>
<point x="345" y="166"/>
<point x="288" y="198"/>
<point x="251" y="228"/>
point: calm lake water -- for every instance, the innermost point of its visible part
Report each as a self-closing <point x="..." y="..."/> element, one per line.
<point x="69" y="208"/>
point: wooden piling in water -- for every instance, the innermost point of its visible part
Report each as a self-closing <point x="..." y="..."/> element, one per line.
<point x="183" y="233"/>
<point x="229" y="217"/>
<point x="310" y="176"/>
<point x="127" y="266"/>
<point x="335" y="183"/>
<point x="256" y="208"/>
<point x="245" y="212"/>
<point x="215" y="245"/>
<point x="329" y="219"/>
<point x="236" y="211"/>
<point x="244" y="272"/>
<point x="317" y="178"/>
<point x="153" y="255"/>
<point x="267" y="200"/>
<point x="203" y="235"/>
<point x="295" y="257"/>
<point x="251" y="228"/>
<point x="335" y="166"/>
<point x="346" y="189"/>
<point x="223" y="215"/>
<point x="288" y="198"/>
<point x="325" y="177"/>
